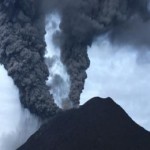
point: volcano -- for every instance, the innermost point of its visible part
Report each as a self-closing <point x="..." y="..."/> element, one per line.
<point x="100" y="124"/>
<point x="44" y="56"/>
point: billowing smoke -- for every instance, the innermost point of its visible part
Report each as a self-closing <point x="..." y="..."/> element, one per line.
<point x="22" y="45"/>
<point x="16" y="123"/>
<point x="22" y="50"/>
<point x="81" y="22"/>
<point x="127" y="23"/>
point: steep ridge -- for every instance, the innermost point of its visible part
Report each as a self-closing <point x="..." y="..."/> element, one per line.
<point x="98" y="124"/>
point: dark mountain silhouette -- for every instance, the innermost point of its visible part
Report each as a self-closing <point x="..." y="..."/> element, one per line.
<point x="100" y="124"/>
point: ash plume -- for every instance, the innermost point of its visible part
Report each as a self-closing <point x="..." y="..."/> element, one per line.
<point x="22" y="49"/>
<point x="81" y="22"/>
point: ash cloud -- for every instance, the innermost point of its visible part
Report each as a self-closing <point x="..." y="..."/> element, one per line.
<point x="135" y="32"/>
<point x="81" y="22"/>
<point x="22" y="50"/>
<point x="22" y="47"/>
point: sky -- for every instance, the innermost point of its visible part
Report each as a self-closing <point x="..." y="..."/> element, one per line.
<point x="117" y="72"/>
<point x="16" y="123"/>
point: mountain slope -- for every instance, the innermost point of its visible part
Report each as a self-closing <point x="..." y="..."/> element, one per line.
<point x="100" y="124"/>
